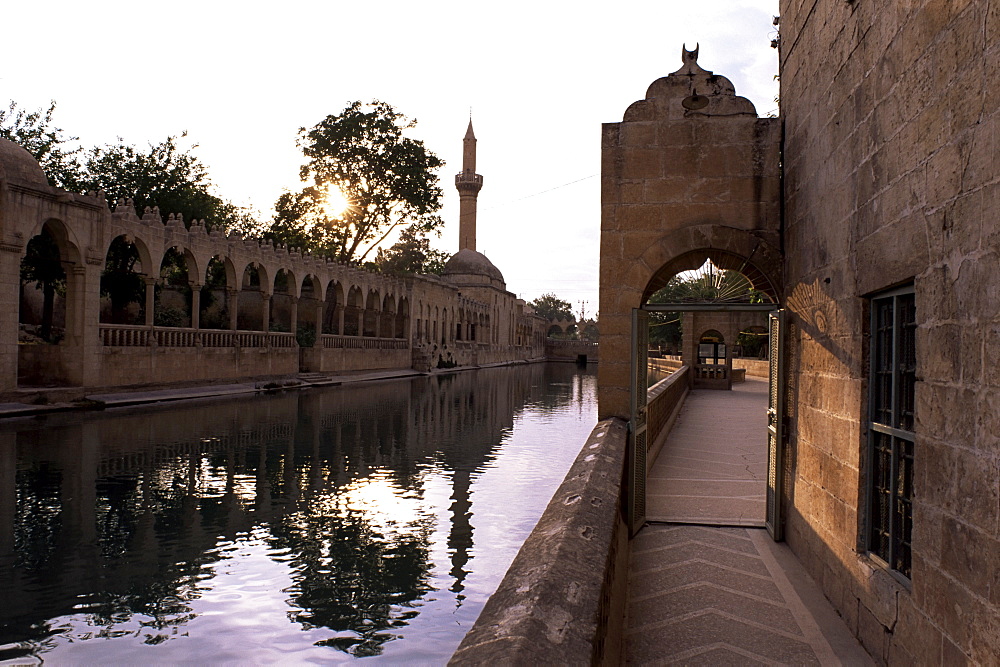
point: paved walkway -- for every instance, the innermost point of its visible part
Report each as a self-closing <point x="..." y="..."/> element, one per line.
<point x="705" y="585"/>
<point x="713" y="467"/>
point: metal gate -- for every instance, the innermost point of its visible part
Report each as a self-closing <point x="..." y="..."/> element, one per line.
<point x="775" y="424"/>
<point x="636" y="459"/>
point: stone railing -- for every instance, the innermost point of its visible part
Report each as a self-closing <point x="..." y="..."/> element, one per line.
<point x="576" y="344"/>
<point x="663" y="402"/>
<point x="562" y="602"/>
<point x="711" y="371"/>
<point x="659" y="369"/>
<point x="125" y="336"/>
<point x="333" y="341"/>
<point x="119" y="335"/>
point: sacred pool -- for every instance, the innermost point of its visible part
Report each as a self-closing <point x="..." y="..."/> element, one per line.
<point x="370" y="519"/>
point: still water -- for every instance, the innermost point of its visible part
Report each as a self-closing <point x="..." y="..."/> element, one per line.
<point x="370" y="520"/>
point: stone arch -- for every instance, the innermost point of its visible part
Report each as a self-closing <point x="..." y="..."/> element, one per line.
<point x="64" y="237"/>
<point x="554" y="330"/>
<point x="49" y="286"/>
<point x="688" y="248"/>
<point x="333" y="311"/>
<point x="373" y="307"/>
<point x="387" y="317"/>
<point x="217" y="301"/>
<point x="309" y="312"/>
<point x="125" y="282"/>
<point x="254" y="294"/>
<point x="173" y="298"/>
<point x="354" y="309"/>
<point x="402" y="317"/>
<point x="284" y="289"/>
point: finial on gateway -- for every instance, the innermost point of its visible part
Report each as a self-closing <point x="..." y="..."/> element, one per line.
<point x="690" y="65"/>
<point x="690" y="57"/>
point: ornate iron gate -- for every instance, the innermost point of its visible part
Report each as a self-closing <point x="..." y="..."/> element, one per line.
<point x="775" y="425"/>
<point x="637" y="446"/>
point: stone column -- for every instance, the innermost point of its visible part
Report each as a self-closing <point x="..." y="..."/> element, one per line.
<point x="234" y="308"/>
<point x="293" y="325"/>
<point x="266" y="310"/>
<point x="195" y="306"/>
<point x="150" y="299"/>
<point x="339" y="310"/>
<point x="378" y="323"/>
<point x="319" y="319"/>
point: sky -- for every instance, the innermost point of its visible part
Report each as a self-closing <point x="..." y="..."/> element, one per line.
<point x="538" y="77"/>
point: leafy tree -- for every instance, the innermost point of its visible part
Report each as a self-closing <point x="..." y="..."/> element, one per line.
<point x="55" y="151"/>
<point x="166" y="175"/>
<point x="411" y="254"/>
<point x="163" y="175"/>
<point x="387" y="178"/>
<point x="552" y="307"/>
<point x="41" y="265"/>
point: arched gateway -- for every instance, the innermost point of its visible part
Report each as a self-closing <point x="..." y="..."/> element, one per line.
<point x="690" y="226"/>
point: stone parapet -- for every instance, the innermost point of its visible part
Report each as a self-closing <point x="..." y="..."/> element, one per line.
<point x="562" y="600"/>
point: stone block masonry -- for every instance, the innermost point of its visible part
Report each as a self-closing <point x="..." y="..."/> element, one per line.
<point x="892" y="177"/>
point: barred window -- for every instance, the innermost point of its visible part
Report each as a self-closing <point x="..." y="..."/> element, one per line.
<point x="890" y="430"/>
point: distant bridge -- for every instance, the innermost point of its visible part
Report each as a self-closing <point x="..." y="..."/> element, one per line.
<point x="582" y="351"/>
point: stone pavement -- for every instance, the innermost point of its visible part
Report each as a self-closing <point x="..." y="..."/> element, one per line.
<point x="713" y="467"/>
<point x="705" y="585"/>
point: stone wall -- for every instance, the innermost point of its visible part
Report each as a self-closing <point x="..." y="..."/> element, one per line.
<point x="891" y="176"/>
<point x="754" y="367"/>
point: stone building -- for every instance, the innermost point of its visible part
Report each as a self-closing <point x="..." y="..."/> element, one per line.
<point x="868" y="213"/>
<point x="216" y="307"/>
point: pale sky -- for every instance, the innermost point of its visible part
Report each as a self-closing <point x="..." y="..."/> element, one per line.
<point x="241" y="78"/>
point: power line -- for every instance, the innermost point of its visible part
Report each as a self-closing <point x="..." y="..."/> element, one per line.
<point x="558" y="187"/>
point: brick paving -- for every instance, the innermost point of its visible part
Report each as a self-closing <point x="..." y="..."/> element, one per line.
<point x="706" y="584"/>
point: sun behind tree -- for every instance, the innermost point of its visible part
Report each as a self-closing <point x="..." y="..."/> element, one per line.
<point x="388" y="179"/>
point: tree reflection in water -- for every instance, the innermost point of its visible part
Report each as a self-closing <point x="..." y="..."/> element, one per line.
<point x="119" y="525"/>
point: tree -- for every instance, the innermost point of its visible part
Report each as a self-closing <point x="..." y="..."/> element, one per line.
<point x="163" y="175"/>
<point x="53" y="150"/>
<point x="552" y="307"/>
<point x="411" y="254"/>
<point x="166" y="175"/>
<point x="387" y="178"/>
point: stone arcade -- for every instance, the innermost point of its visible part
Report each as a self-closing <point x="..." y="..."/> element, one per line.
<point x="362" y="320"/>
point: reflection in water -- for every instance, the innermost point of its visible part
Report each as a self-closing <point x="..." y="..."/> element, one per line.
<point x="366" y="520"/>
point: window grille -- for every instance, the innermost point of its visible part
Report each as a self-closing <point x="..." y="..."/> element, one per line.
<point x="890" y="430"/>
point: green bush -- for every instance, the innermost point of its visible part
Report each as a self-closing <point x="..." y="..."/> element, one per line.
<point x="168" y="317"/>
<point x="305" y="335"/>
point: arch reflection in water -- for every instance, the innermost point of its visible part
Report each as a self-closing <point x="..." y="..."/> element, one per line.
<point x="362" y="520"/>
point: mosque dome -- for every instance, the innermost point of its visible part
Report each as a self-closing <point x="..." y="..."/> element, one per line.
<point x="468" y="262"/>
<point x="17" y="166"/>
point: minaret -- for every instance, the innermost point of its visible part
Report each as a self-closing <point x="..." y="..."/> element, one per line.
<point x="469" y="183"/>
